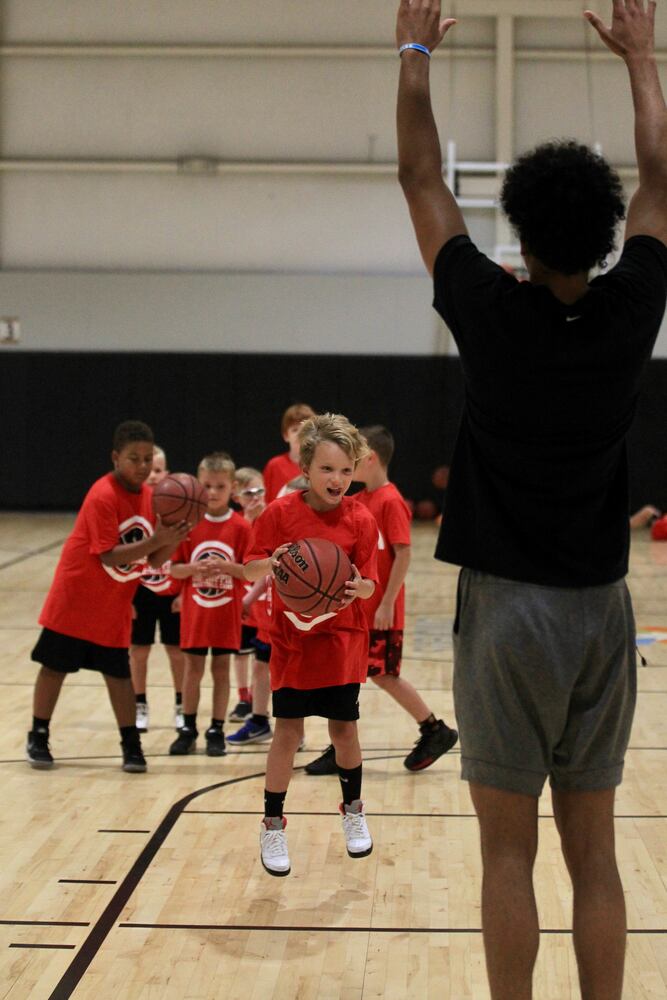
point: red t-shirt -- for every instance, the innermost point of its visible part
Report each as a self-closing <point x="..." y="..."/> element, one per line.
<point x="326" y="650"/>
<point x="259" y="616"/>
<point x="88" y="600"/>
<point x="659" y="529"/>
<point x="393" y="520"/>
<point x="160" y="581"/>
<point x="277" y="473"/>
<point x="211" y="610"/>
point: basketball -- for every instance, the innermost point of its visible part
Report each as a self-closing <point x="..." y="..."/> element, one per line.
<point x="180" y="497"/>
<point x="312" y="575"/>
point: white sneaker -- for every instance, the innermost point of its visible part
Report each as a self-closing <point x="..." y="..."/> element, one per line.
<point x="357" y="838"/>
<point x="142" y="717"/>
<point x="179" y="718"/>
<point x="273" y="845"/>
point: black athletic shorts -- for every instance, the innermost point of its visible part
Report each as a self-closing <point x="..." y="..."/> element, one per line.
<point x="248" y="633"/>
<point x="205" y="650"/>
<point x="340" y="703"/>
<point x="153" y="608"/>
<point x="262" y="650"/>
<point x="66" y="655"/>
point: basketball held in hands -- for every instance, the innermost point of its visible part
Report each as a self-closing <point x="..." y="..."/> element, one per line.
<point x="180" y="497"/>
<point x="311" y="576"/>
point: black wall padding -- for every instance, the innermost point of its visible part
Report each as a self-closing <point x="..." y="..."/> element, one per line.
<point x="58" y="412"/>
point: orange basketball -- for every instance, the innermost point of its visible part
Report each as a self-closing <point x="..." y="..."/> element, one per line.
<point x="312" y="575"/>
<point x="180" y="497"/>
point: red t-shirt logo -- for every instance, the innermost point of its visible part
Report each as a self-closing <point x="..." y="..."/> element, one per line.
<point x="134" y="529"/>
<point x="219" y="590"/>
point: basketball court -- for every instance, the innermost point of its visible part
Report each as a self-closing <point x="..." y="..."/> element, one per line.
<point x="150" y="886"/>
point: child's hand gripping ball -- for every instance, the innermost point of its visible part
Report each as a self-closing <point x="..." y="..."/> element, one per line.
<point x="311" y="575"/>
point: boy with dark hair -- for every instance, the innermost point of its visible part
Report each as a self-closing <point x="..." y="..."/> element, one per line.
<point x="385" y="611"/>
<point x="281" y="468"/>
<point x="87" y="616"/>
<point x="537" y="502"/>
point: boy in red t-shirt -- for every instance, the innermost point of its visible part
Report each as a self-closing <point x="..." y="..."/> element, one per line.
<point x="154" y="602"/>
<point x="255" y="644"/>
<point x="209" y="562"/>
<point x="87" y="616"/>
<point x="279" y="470"/>
<point x="318" y="663"/>
<point x="385" y="612"/>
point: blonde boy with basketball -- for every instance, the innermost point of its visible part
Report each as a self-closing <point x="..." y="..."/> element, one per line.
<point x="318" y="663"/>
<point x="385" y="611"/>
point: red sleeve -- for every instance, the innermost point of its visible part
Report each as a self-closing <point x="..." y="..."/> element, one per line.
<point x="271" y="487"/>
<point x="396" y="523"/>
<point x="245" y="541"/>
<point x="659" y="529"/>
<point x="101" y="520"/>
<point x="263" y="540"/>
<point x="366" y="547"/>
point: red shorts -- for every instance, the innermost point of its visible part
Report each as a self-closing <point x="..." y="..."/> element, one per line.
<point x="385" y="650"/>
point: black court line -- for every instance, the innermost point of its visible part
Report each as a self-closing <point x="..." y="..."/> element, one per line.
<point x="88" y="881"/>
<point x="123" y="831"/>
<point x="310" y="929"/>
<point x="44" y="923"/>
<point x="61" y="947"/>
<point x="107" y="919"/>
<point x="33" y="552"/>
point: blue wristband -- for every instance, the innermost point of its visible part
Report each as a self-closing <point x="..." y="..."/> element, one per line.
<point x="414" y="45"/>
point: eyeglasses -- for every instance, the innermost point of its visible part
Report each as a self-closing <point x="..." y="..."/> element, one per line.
<point x="254" y="491"/>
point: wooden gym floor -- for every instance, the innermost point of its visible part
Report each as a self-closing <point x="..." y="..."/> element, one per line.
<point x="149" y="887"/>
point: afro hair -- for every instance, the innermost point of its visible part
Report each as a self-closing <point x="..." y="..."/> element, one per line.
<point x="564" y="202"/>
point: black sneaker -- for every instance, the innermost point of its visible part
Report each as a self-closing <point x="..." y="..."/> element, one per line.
<point x="184" y="742"/>
<point x="133" y="758"/>
<point x="37" y="749"/>
<point x="432" y="743"/>
<point x="241" y="712"/>
<point x="215" y="742"/>
<point x="324" y="764"/>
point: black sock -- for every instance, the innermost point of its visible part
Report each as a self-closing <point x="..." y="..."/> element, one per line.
<point x="179" y="698"/>
<point x="260" y="720"/>
<point x="273" y="803"/>
<point x="40" y="723"/>
<point x="350" y="783"/>
<point x="140" y="699"/>
<point x="129" y="734"/>
<point x="190" y="721"/>
<point x="428" y="723"/>
<point x="217" y="724"/>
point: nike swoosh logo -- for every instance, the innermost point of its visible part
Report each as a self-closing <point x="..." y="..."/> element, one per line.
<point x="571" y="319"/>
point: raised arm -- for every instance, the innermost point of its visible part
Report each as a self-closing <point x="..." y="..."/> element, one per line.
<point x="433" y="208"/>
<point x="631" y="36"/>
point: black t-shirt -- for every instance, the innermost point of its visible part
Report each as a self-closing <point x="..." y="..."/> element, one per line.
<point x="538" y="489"/>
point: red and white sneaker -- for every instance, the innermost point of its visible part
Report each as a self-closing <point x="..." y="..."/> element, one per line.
<point x="357" y="838"/>
<point x="273" y="845"/>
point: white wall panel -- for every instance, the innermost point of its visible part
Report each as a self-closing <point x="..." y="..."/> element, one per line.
<point x="609" y="121"/>
<point x="289" y="22"/>
<point x="248" y="313"/>
<point x="232" y="108"/>
<point x="211" y="223"/>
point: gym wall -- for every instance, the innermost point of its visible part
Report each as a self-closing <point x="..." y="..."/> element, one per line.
<point x="207" y="191"/>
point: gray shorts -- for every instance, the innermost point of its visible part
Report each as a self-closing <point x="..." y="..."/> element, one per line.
<point x="545" y="683"/>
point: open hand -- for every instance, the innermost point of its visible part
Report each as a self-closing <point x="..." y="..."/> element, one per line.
<point x="351" y="589"/>
<point x="419" y="21"/>
<point x="632" y="29"/>
<point x="170" y="534"/>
